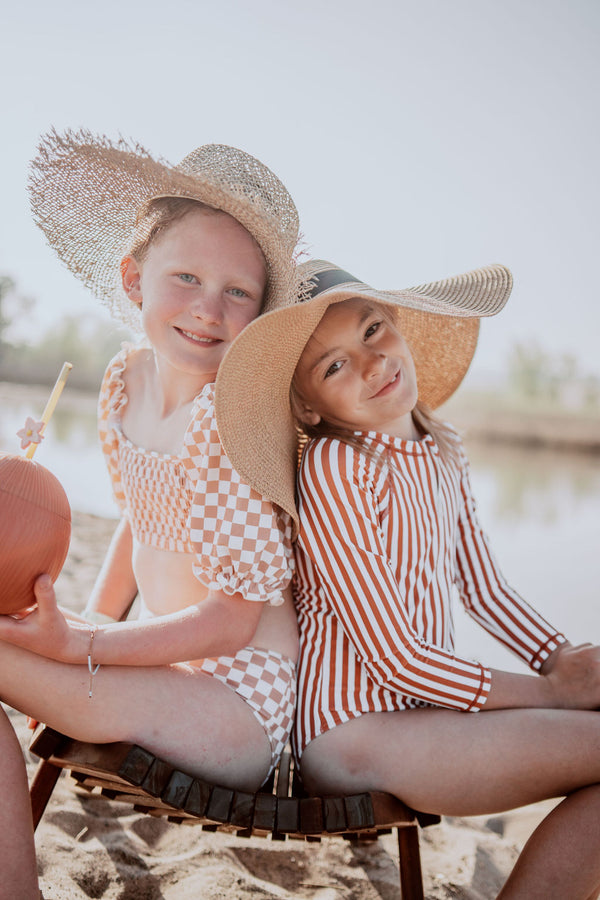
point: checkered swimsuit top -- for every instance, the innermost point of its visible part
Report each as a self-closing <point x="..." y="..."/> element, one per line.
<point x="381" y="553"/>
<point x="195" y="502"/>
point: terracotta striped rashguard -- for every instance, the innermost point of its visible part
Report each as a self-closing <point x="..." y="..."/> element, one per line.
<point x="384" y="549"/>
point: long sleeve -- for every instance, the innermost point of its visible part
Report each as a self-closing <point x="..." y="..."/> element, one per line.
<point x="489" y="599"/>
<point x="345" y="515"/>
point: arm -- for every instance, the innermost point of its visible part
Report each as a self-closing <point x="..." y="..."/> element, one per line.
<point x="344" y="535"/>
<point x="219" y="626"/>
<point x="115" y="588"/>
<point x="489" y="599"/>
<point x="340" y="534"/>
<point x="570" y="679"/>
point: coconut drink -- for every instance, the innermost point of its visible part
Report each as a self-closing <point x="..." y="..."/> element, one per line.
<point x="35" y="516"/>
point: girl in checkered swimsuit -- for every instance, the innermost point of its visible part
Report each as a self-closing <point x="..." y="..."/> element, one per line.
<point x="206" y="676"/>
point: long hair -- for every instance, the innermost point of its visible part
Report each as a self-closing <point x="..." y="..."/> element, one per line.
<point x="424" y="419"/>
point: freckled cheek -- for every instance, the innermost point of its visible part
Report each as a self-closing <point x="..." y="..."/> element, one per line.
<point x="239" y="318"/>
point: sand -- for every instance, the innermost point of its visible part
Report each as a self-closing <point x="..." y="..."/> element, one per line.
<point x="89" y="847"/>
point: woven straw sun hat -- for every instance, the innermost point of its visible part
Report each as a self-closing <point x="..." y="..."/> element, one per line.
<point x="86" y="193"/>
<point x="440" y="322"/>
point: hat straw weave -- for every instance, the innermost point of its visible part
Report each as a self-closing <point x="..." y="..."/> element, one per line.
<point x="440" y="322"/>
<point x="86" y="192"/>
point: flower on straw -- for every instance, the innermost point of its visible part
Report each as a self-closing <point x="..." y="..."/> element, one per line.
<point x="31" y="433"/>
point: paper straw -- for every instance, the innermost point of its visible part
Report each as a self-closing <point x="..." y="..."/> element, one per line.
<point x="51" y="404"/>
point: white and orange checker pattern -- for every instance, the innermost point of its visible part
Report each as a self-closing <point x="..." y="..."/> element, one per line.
<point x="267" y="682"/>
<point x="241" y="541"/>
<point x="196" y="503"/>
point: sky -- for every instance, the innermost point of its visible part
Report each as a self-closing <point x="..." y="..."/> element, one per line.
<point x="419" y="138"/>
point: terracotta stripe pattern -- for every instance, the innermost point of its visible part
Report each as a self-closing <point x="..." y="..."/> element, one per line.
<point x="384" y="551"/>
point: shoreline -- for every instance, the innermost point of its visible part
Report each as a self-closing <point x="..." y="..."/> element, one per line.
<point x="493" y="419"/>
<point x="481" y="416"/>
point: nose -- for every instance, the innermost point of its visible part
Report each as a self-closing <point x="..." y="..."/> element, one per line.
<point x="373" y="364"/>
<point x="207" y="305"/>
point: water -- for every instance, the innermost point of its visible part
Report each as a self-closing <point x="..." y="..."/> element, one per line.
<point x="540" y="508"/>
<point x="70" y="448"/>
<point x="541" y="511"/>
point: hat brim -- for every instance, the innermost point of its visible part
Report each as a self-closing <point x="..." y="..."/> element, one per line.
<point x="252" y="396"/>
<point x="86" y="192"/>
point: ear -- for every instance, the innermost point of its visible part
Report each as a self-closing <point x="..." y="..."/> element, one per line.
<point x="307" y="415"/>
<point x="131" y="279"/>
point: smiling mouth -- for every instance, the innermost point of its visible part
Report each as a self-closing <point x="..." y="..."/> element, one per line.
<point x="388" y="385"/>
<point x="198" y="339"/>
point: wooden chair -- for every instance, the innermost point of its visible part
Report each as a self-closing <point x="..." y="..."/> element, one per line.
<point x="281" y="809"/>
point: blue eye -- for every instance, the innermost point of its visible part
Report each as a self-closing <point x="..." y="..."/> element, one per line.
<point x="185" y="276"/>
<point x="238" y="292"/>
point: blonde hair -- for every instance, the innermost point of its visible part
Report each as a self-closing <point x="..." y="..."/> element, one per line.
<point x="157" y="216"/>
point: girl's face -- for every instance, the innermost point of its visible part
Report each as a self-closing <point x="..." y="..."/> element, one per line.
<point x="357" y="372"/>
<point x="201" y="282"/>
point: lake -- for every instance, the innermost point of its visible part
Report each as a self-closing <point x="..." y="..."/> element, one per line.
<point x="540" y="508"/>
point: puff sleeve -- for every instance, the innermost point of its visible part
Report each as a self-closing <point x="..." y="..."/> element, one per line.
<point x="111" y="401"/>
<point x="241" y="541"/>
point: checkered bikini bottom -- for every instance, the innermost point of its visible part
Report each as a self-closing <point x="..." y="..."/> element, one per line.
<point x="266" y="680"/>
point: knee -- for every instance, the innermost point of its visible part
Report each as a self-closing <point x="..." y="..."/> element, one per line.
<point x="331" y="765"/>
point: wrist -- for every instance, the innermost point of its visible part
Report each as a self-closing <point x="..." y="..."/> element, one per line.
<point x="549" y="663"/>
<point x="92" y="667"/>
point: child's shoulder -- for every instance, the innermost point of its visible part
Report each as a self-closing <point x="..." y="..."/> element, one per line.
<point x="130" y="358"/>
<point x="127" y="367"/>
<point x="334" y="456"/>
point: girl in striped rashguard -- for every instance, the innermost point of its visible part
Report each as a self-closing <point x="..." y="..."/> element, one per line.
<point x="387" y="536"/>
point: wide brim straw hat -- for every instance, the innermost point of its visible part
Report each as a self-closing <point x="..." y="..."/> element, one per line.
<point x="440" y="322"/>
<point x="86" y="193"/>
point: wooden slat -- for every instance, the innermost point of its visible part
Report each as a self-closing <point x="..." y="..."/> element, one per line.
<point x="177" y="789"/>
<point x="219" y="804"/>
<point x="281" y="809"/>
<point x="288" y="815"/>
<point x="196" y="802"/>
<point x="359" y="812"/>
<point x="242" y="810"/>
<point x="334" y="815"/>
<point x="311" y="816"/>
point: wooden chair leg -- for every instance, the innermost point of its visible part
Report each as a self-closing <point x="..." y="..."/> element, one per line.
<point x="40" y="791"/>
<point x="411" y="878"/>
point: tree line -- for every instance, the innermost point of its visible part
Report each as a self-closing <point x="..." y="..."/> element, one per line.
<point x="89" y="343"/>
<point x="84" y="340"/>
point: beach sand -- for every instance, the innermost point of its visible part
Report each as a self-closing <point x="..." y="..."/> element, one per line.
<point x="89" y="847"/>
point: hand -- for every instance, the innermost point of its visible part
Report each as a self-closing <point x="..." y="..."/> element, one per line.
<point x="45" y="630"/>
<point x="574" y="677"/>
<point x="550" y="662"/>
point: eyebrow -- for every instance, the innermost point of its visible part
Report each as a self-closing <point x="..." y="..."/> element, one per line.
<point x="334" y="350"/>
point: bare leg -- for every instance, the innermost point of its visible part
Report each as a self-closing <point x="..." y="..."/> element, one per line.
<point x="561" y="848"/>
<point x="17" y="850"/>
<point x="465" y="764"/>
<point x="185" y="716"/>
<point x="460" y="764"/>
